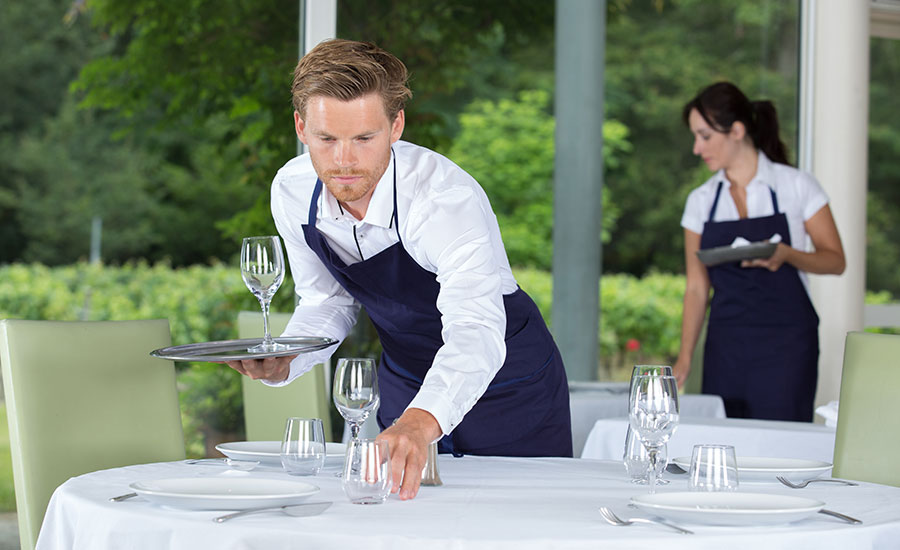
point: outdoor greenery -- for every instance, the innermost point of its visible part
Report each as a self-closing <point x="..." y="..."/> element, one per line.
<point x="167" y="120"/>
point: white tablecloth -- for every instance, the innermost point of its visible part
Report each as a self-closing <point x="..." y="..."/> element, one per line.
<point x="768" y="438"/>
<point x="610" y="400"/>
<point x="497" y="503"/>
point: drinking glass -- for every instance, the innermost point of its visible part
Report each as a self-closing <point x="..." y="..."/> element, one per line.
<point x="653" y="415"/>
<point x="635" y="457"/>
<point x="262" y="268"/>
<point x="637" y="460"/>
<point x="366" y="477"/>
<point x="713" y="468"/>
<point x="355" y="391"/>
<point x="303" y="446"/>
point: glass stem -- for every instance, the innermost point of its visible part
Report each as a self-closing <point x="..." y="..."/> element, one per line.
<point x="354" y="430"/>
<point x="651" y="475"/>
<point x="264" y="304"/>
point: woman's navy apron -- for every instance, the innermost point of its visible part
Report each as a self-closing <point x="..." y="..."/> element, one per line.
<point x="762" y="344"/>
<point x="525" y="410"/>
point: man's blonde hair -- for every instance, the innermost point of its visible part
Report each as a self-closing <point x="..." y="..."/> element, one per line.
<point x="347" y="70"/>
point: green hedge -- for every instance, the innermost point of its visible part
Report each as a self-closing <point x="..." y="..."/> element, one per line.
<point x="640" y="320"/>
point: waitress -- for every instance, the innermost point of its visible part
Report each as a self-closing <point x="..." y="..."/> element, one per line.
<point x="762" y="345"/>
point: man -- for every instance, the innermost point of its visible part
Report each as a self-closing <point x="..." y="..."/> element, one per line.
<point x="372" y="221"/>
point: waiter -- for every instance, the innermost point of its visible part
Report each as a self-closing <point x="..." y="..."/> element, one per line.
<point x="372" y="221"/>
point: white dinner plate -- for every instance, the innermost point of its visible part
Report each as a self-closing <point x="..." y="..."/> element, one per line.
<point x="758" y="468"/>
<point x="268" y="453"/>
<point x="727" y="508"/>
<point x="223" y="493"/>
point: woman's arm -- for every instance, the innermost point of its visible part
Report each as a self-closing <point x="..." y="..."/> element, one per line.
<point x="696" y="296"/>
<point x="828" y="257"/>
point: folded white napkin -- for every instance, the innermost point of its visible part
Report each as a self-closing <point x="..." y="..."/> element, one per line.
<point x="829" y="412"/>
<point x="741" y="241"/>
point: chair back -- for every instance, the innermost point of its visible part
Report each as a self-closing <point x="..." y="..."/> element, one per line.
<point x="266" y="408"/>
<point x="84" y="396"/>
<point x="866" y="447"/>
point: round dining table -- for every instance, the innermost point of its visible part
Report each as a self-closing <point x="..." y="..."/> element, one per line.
<point x="484" y="502"/>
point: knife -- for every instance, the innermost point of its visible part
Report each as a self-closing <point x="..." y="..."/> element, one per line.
<point x="296" y="510"/>
<point x="839" y="515"/>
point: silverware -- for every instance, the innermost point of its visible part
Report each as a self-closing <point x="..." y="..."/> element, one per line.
<point x="613" y="519"/>
<point x="296" y="510"/>
<point x="120" y="498"/>
<point x="839" y="515"/>
<point x="673" y="468"/>
<point x="242" y="465"/>
<point x="803" y="484"/>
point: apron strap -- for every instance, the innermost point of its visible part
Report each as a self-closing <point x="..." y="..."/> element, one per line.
<point x="715" y="201"/>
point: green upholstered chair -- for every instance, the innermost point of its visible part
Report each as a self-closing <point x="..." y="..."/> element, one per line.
<point x="866" y="447"/>
<point x="83" y="396"/>
<point x="265" y="407"/>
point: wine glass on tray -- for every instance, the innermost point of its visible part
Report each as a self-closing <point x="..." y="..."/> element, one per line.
<point x="262" y="268"/>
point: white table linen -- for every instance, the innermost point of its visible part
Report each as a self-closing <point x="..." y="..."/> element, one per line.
<point x="767" y="438"/>
<point x="485" y="502"/>
<point x="610" y="400"/>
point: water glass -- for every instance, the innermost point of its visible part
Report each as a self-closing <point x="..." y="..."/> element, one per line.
<point x="366" y="477"/>
<point x="637" y="460"/>
<point x="303" y="446"/>
<point x="713" y="468"/>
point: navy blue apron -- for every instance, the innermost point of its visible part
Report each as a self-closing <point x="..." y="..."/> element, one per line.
<point x="525" y="410"/>
<point x="762" y="344"/>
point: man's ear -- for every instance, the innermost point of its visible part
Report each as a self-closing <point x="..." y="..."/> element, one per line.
<point x="300" y="127"/>
<point x="398" y="125"/>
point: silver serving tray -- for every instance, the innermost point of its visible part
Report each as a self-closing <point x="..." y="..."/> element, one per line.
<point x="725" y="254"/>
<point x="236" y="350"/>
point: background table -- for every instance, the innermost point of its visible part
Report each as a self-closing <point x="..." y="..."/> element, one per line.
<point x="769" y="438"/>
<point x="592" y="401"/>
<point x="498" y="503"/>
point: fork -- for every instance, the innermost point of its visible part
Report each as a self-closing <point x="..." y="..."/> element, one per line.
<point x="803" y="484"/>
<point x="613" y="519"/>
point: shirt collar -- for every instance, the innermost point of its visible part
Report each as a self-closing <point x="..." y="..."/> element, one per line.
<point x="763" y="173"/>
<point x="380" y="211"/>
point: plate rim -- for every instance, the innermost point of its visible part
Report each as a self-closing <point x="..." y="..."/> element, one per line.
<point x="310" y="489"/>
<point x="820" y="465"/>
<point x="811" y="507"/>
<point x="222" y="447"/>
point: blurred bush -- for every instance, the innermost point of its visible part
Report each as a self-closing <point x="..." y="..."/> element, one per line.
<point x="640" y="321"/>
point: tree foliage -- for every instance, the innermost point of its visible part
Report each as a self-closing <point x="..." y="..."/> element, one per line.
<point x="508" y="147"/>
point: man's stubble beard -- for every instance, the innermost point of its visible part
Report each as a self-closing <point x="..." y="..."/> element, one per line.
<point x="350" y="193"/>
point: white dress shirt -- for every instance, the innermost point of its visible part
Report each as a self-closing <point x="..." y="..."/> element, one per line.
<point x="799" y="197"/>
<point x="447" y="226"/>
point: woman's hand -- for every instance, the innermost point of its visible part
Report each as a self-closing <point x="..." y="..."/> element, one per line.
<point x="773" y="262"/>
<point x="681" y="369"/>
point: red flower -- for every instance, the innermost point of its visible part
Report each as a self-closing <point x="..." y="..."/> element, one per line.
<point x="632" y="344"/>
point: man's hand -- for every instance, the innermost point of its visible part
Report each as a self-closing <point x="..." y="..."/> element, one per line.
<point x="408" y="440"/>
<point x="273" y="369"/>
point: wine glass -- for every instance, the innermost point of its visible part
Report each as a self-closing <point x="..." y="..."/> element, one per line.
<point x="262" y="268"/>
<point x="653" y="414"/>
<point x="635" y="457"/>
<point x="355" y="391"/>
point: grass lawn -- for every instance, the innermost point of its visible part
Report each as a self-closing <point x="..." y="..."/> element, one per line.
<point x="7" y="494"/>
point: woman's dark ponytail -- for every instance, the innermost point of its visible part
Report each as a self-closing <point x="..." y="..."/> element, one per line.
<point x="722" y="104"/>
<point x="766" y="136"/>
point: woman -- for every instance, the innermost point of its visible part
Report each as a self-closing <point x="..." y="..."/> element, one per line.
<point x="762" y="345"/>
